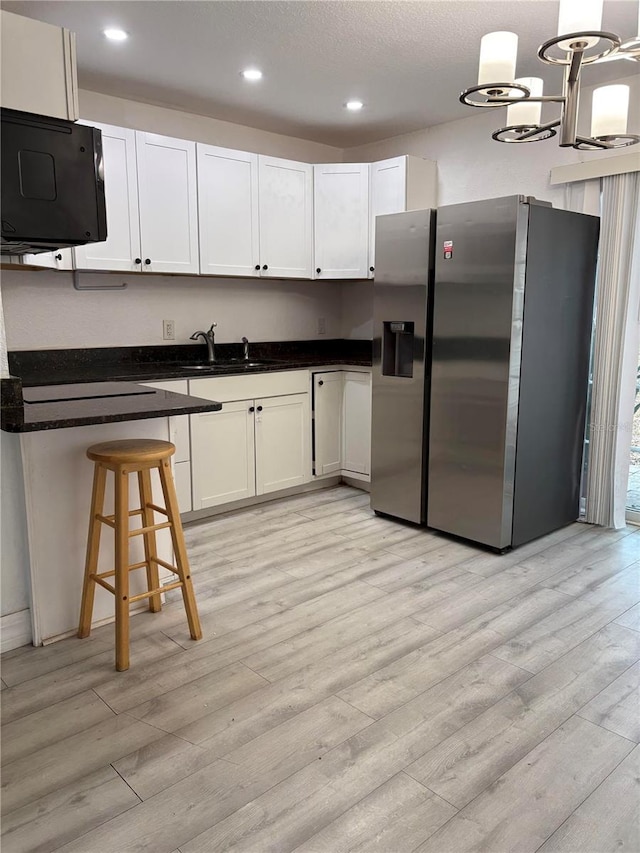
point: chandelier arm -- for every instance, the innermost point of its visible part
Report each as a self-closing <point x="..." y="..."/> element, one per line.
<point x="540" y="129"/>
<point x="591" y="140"/>
<point x="528" y="99"/>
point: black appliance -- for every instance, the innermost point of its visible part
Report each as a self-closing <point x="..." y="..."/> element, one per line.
<point x="52" y="184"/>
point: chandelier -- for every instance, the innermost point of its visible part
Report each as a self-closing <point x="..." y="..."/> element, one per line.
<point x="580" y="41"/>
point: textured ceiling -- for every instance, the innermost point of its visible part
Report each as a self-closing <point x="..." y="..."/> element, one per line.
<point x="408" y="61"/>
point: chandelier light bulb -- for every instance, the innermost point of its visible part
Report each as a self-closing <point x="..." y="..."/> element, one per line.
<point x="498" y="54"/>
<point x="527" y="113"/>
<point x="577" y="16"/>
<point x="609" y="111"/>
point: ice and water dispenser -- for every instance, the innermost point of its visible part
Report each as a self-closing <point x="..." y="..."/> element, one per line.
<point x="397" y="348"/>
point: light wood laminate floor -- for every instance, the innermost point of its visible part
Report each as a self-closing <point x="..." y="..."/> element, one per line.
<point x="361" y="686"/>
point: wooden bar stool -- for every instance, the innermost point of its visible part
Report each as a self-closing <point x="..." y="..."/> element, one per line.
<point x="124" y="458"/>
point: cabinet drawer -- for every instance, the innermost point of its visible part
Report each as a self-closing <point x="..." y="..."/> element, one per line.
<point x="225" y="389"/>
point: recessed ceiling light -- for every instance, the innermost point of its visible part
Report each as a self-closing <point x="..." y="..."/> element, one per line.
<point x="354" y="105"/>
<point x="252" y="74"/>
<point x="115" y="34"/>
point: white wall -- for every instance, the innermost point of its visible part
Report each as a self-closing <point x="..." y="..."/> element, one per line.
<point x="472" y="166"/>
<point x="14" y="570"/>
<point x="139" y="116"/>
<point x="43" y="311"/>
<point x="357" y="310"/>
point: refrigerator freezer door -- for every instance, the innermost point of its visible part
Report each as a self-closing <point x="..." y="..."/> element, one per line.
<point x="477" y="333"/>
<point x="401" y="311"/>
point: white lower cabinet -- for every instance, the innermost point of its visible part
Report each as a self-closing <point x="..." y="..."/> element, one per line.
<point x="356" y="423"/>
<point x="255" y="445"/>
<point x="223" y="458"/>
<point x="327" y="422"/>
<point x="342" y="423"/>
<point x="283" y="452"/>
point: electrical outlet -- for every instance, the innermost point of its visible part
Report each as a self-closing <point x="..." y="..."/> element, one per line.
<point x="322" y="326"/>
<point x="168" y="330"/>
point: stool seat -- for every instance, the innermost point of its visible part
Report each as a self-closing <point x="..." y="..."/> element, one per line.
<point x="137" y="456"/>
<point x="131" y="450"/>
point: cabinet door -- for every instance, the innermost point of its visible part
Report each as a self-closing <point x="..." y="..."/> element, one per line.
<point x="38" y="67"/>
<point x="283" y="453"/>
<point x="122" y="246"/>
<point x="388" y="194"/>
<point x="228" y="211"/>
<point x="286" y="218"/>
<point x="168" y="203"/>
<point x="223" y="455"/>
<point x="356" y="437"/>
<point x="341" y="221"/>
<point x="62" y="259"/>
<point x="327" y="422"/>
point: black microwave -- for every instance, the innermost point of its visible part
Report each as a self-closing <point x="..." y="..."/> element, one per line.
<point x="52" y="184"/>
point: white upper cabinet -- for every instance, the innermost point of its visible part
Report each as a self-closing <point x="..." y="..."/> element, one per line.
<point x="341" y="206"/>
<point x="121" y="250"/>
<point x="286" y="218"/>
<point x="167" y="191"/>
<point x="228" y="211"/>
<point x="38" y="68"/>
<point x="399" y="184"/>
<point x="62" y="259"/>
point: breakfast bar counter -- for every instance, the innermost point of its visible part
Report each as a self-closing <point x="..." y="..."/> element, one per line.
<point x="49" y="407"/>
<point x="47" y="436"/>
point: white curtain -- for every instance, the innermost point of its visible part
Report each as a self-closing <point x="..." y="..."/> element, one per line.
<point x="583" y="196"/>
<point x="615" y="352"/>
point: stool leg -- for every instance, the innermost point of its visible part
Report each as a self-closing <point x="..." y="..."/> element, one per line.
<point x="93" y="548"/>
<point x="182" y="561"/>
<point x="121" y="519"/>
<point x="150" y="547"/>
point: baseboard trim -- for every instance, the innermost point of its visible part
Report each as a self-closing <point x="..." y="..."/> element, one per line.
<point x="357" y="482"/>
<point x="221" y="509"/>
<point x="15" y="630"/>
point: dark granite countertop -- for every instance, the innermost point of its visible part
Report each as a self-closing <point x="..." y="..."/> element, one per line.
<point x="81" y="404"/>
<point x="59" y="367"/>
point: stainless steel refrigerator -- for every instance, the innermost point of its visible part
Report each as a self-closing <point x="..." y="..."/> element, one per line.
<point x="505" y="371"/>
<point x="403" y="290"/>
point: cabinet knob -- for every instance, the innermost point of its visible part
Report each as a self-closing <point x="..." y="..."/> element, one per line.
<point x="265" y="266"/>
<point x="251" y="409"/>
<point x="147" y="261"/>
<point x="321" y="382"/>
<point x="372" y="269"/>
<point x="58" y="257"/>
<point x="259" y="409"/>
<point x="138" y="261"/>
<point x="318" y="270"/>
<point x="257" y="266"/>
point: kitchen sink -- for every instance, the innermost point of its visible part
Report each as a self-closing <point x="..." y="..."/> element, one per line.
<point x="231" y="363"/>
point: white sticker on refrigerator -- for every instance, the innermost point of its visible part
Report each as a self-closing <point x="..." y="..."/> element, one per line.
<point x="448" y="249"/>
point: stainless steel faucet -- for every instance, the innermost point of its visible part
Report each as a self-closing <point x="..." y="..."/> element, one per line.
<point x="245" y="342"/>
<point x="209" y="339"/>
